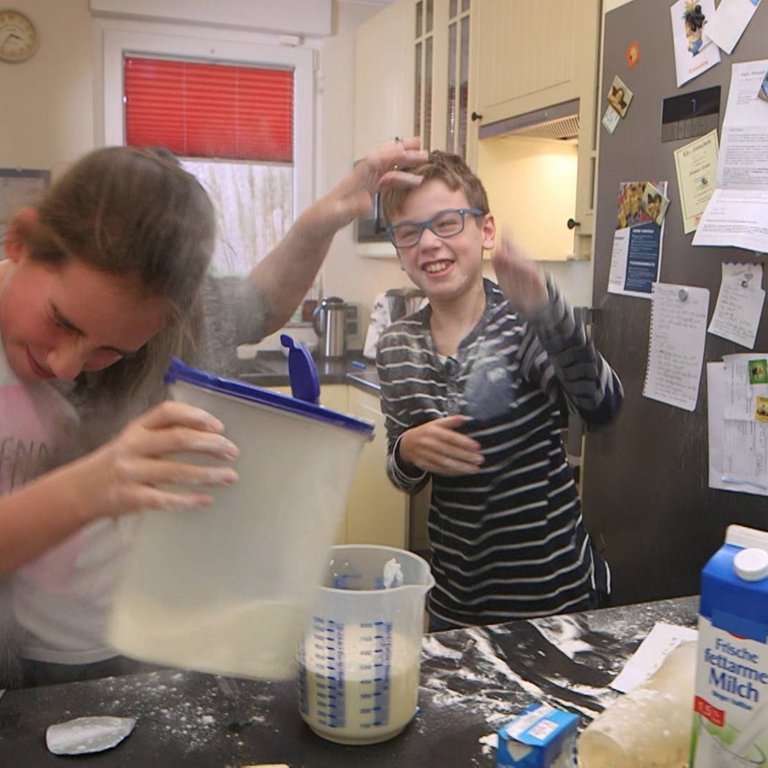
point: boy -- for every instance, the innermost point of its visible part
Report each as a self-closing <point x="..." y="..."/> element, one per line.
<point x="472" y="387"/>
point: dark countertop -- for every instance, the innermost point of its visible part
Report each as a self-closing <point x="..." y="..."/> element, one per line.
<point x="270" y="369"/>
<point x="472" y="681"/>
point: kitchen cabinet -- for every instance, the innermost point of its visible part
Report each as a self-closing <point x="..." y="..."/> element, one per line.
<point x="412" y="75"/>
<point x="384" y="80"/>
<point x="527" y="60"/>
<point x="441" y="73"/>
<point x="377" y="512"/>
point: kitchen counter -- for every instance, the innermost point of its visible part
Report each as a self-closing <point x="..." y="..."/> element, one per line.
<point x="270" y="369"/>
<point x="472" y="681"/>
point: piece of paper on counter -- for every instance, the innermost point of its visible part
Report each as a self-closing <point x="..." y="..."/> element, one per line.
<point x="726" y="26"/>
<point x="676" y="347"/>
<point x="650" y="655"/>
<point x="739" y="304"/>
<point x="694" y="52"/>
<point x="696" y="167"/>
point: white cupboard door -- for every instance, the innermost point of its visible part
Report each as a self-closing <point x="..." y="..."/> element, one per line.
<point x="377" y="513"/>
<point x="384" y="77"/>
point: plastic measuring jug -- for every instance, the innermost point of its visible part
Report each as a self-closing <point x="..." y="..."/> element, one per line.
<point x="227" y="589"/>
<point x="359" y="662"/>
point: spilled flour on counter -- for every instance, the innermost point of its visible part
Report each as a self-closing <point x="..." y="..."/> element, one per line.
<point x="486" y="684"/>
<point x="192" y="717"/>
<point x="564" y="633"/>
<point x="480" y="675"/>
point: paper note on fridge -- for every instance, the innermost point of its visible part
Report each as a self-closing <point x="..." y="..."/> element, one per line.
<point x="696" y="167"/>
<point x="739" y="304"/>
<point x="636" y="254"/>
<point x="737" y="212"/>
<point x="694" y="52"/>
<point x="727" y="24"/>
<point x="738" y="423"/>
<point x="676" y="347"/>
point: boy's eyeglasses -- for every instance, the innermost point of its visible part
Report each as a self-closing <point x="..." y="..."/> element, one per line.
<point x="444" y="224"/>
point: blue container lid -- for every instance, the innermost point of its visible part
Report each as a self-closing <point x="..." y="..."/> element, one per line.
<point x="182" y="372"/>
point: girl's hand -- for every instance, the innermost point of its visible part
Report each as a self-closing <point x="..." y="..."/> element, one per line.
<point x="353" y="196"/>
<point x="437" y="447"/>
<point x="129" y="473"/>
<point x="521" y="280"/>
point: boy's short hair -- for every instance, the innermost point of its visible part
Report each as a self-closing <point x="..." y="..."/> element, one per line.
<point x="443" y="166"/>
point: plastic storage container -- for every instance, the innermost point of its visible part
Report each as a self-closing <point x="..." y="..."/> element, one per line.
<point x="227" y="589"/>
<point x="361" y="654"/>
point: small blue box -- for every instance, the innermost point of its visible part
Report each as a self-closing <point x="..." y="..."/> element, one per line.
<point x="539" y="737"/>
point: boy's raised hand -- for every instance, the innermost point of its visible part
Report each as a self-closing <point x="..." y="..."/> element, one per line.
<point x="521" y="279"/>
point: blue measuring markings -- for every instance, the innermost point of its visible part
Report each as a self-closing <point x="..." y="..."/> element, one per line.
<point x="329" y="678"/>
<point x="380" y="680"/>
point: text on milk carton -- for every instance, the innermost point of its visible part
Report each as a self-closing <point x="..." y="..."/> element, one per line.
<point x="734" y="677"/>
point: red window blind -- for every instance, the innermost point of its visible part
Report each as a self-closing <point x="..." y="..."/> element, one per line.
<point x="209" y="110"/>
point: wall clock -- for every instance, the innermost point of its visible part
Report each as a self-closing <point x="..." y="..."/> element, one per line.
<point x="18" y="36"/>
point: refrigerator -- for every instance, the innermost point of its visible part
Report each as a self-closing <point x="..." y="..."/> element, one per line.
<point x="645" y="480"/>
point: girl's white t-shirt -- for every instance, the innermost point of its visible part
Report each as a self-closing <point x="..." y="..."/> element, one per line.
<point x="59" y="601"/>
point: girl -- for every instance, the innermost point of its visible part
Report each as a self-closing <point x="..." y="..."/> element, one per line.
<point x="100" y="286"/>
<point x="94" y="298"/>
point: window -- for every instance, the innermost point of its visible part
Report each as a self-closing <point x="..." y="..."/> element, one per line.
<point x="258" y="172"/>
<point x="198" y="109"/>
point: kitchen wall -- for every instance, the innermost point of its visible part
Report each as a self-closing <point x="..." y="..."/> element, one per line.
<point x="49" y="118"/>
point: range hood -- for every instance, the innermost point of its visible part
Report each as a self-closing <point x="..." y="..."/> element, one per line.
<point x="560" y="122"/>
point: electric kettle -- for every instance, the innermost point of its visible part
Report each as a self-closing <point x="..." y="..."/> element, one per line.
<point x="330" y="322"/>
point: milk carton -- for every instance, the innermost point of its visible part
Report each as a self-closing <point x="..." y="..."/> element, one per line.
<point x="730" y="724"/>
<point x="540" y="737"/>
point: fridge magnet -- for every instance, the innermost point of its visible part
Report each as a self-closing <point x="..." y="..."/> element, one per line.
<point x="611" y="119"/>
<point x="633" y="54"/>
<point x="758" y="372"/>
<point x="695" y="53"/>
<point x="763" y="92"/>
<point x="654" y="204"/>
<point x="619" y="96"/>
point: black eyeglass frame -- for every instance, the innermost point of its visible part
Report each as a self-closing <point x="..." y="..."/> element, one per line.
<point x="422" y="225"/>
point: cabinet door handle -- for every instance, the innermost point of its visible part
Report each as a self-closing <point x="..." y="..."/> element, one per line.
<point x="475" y="116"/>
<point x="572" y="224"/>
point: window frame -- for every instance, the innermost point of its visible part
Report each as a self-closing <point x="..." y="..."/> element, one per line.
<point x="117" y="43"/>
